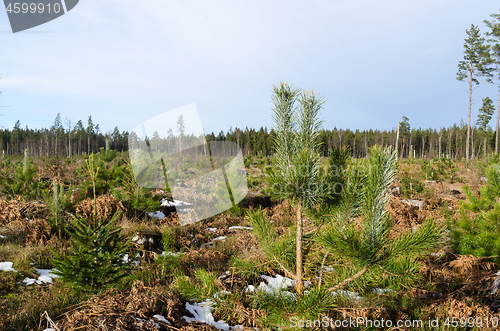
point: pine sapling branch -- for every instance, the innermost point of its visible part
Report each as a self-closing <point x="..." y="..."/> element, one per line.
<point x="350" y="279"/>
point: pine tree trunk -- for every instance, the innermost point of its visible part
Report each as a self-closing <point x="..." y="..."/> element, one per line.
<point x="484" y="147"/>
<point x="498" y="122"/>
<point x="397" y="141"/>
<point x="69" y="140"/>
<point x="470" y="108"/>
<point x="472" y="142"/>
<point x="298" y="270"/>
<point x="423" y="146"/>
<point x="440" y="145"/>
<point x="403" y="148"/>
<point x="366" y="147"/>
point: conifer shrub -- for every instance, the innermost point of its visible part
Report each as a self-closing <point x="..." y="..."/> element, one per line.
<point x="477" y="229"/>
<point x="22" y="181"/>
<point x="134" y="197"/>
<point x="98" y="256"/>
<point x="59" y="203"/>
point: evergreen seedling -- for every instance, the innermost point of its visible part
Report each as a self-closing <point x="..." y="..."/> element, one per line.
<point x="367" y="245"/>
<point x="97" y="257"/>
<point x="477" y="230"/>
<point x="296" y="174"/>
<point x="98" y="254"/>
<point x="22" y="182"/>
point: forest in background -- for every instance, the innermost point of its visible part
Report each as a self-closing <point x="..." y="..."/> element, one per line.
<point x="66" y="140"/>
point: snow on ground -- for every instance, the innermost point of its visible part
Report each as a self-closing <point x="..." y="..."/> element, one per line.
<point x="223" y="238"/>
<point x="240" y="228"/>
<point x="211" y="229"/>
<point x="383" y="290"/>
<point x="127" y="259"/>
<point x="157" y="214"/>
<point x="7" y="266"/>
<point x="3" y="237"/>
<point x="175" y="203"/>
<point x="220" y="294"/>
<point x="279" y="284"/>
<point x="161" y="318"/>
<point x="202" y="312"/>
<point x="46" y="276"/>
<point x="276" y="286"/>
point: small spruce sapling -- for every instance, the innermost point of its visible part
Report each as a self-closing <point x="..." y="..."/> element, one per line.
<point x="97" y="257"/>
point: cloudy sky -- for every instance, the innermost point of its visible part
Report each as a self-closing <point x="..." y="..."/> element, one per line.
<point x="124" y="61"/>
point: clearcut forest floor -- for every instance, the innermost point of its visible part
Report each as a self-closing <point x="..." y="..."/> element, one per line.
<point x="451" y="285"/>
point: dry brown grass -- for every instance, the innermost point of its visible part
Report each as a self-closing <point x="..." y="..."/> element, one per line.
<point x="9" y="211"/>
<point x="106" y="207"/>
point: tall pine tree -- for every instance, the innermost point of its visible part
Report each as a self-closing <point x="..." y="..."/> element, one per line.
<point x="494" y="35"/>
<point x="476" y="62"/>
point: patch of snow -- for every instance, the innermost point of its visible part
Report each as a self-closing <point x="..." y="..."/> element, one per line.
<point x="413" y="202"/>
<point x="3" y="237"/>
<point x="46" y="276"/>
<point x="219" y="295"/>
<point x="275" y="286"/>
<point x="127" y="259"/>
<point x="223" y="238"/>
<point x="162" y="319"/>
<point x="207" y="244"/>
<point x="157" y="214"/>
<point x="7" y="266"/>
<point x="175" y="203"/>
<point x="383" y="290"/>
<point x="279" y="282"/>
<point x="211" y="229"/>
<point x="250" y="288"/>
<point x="240" y="228"/>
<point x="202" y="312"/>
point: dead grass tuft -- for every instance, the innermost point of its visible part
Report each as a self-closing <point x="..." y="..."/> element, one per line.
<point x="9" y="211"/>
<point x="204" y="259"/>
<point x="106" y="207"/>
<point x="121" y="310"/>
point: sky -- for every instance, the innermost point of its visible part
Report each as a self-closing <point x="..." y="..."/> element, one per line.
<point x="123" y="62"/>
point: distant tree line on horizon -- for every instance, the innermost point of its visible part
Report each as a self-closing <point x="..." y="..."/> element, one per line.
<point x="66" y="140"/>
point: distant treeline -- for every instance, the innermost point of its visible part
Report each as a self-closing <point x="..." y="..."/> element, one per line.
<point x="445" y="142"/>
<point x="73" y="139"/>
